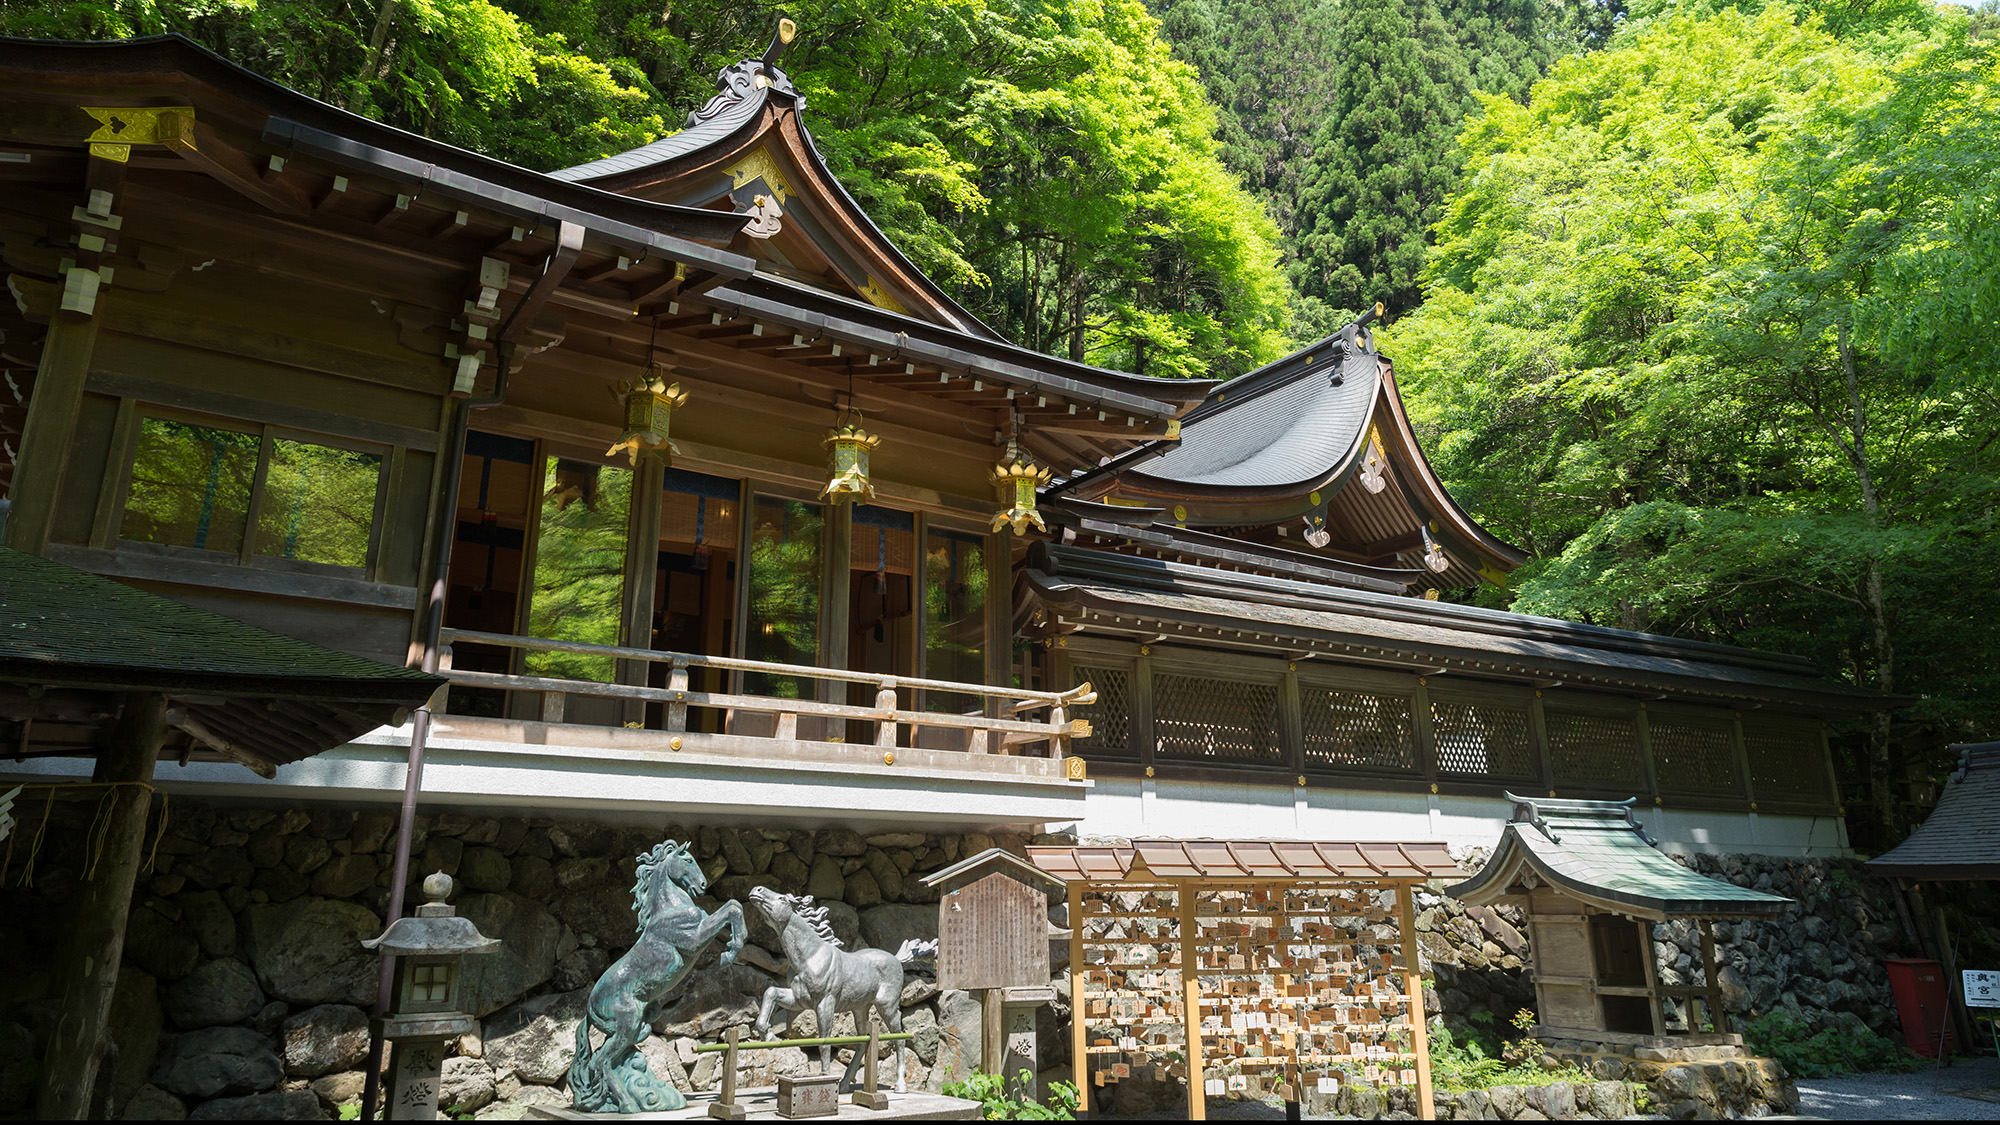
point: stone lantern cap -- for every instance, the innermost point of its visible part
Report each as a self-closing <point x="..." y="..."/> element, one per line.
<point x="436" y="931"/>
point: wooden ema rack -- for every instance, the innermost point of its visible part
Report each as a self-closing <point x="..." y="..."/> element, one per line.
<point x="1295" y="987"/>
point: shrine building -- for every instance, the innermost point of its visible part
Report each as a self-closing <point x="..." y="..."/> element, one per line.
<point x="714" y="508"/>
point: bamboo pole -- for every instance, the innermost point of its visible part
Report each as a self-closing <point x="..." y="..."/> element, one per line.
<point x="1413" y="987"/>
<point x="1191" y="1005"/>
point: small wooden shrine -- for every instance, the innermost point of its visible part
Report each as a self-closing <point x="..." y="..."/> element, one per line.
<point x="1594" y="886"/>
<point x="993" y="938"/>
<point x="1246" y="967"/>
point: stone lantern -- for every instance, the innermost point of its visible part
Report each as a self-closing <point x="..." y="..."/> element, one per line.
<point x="427" y="1010"/>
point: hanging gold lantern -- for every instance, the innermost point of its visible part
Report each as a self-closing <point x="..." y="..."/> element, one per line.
<point x="847" y="460"/>
<point x="649" y="407"/>
<point x="1016" y="477"/>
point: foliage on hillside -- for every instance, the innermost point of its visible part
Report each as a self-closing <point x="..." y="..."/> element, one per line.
<point x="1713" y="332"/>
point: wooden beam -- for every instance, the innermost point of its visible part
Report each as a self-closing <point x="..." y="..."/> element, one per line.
<point x="1413" y="988"/>
<point x="1079" y="1034"/>
<point x="86" y="964"/>
<point x="198" y="144"/>
<point x="1185" y="893"/>
<point x="569" y="244"/>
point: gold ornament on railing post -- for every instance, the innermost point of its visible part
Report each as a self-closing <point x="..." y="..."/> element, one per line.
<point x="1015" y="478"/>
<point x="649" y="407"/>
<point x="847" y="447"/>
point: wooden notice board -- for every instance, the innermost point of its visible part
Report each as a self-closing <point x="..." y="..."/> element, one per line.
<point x="993" y="933"/>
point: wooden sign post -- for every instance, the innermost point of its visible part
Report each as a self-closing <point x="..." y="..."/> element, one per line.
<point x="993" y="938"/>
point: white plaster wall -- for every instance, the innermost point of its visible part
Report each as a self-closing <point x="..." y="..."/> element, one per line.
<point x="1125" y="809"/>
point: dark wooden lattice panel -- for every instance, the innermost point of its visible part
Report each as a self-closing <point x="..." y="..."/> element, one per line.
<point x="1787" y="763"/>
<point x="1197" y="718"/>
<point x="1481" y="739"/>
<point x="1356" y="729"/>
<point x="1600" y="750"/>
<point x="1690" y="756"/>
<point x="1111" y="716"/>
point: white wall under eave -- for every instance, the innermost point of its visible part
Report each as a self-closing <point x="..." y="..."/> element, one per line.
<point x="1125" y="809"/>
<point x="619" y="785"/>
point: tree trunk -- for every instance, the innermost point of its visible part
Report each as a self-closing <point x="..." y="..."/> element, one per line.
<point x="86" y="965"/>
<point x="1881" y="798"/>
<point x="376" y="39"/>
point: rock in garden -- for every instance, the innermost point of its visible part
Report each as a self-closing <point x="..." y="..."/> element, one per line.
<point x="826" y="883"/>
<point x="217" y="993"/>
<point x="841" y="842"/>
<point x="537" y="1037"/>
<point x="150" y="1103"/>
<point x="205" y="918"/>
<point x="158" y="942"/>
<point x="308" y="951"/>
<point x="862" y="890"/>
<point x="529" y="936"/>
<point x="961" y="1031"/>
<point x="714" y="999"/>
<point x="345" y="876"/>
<point x="336" y="1090"/>
<point x="218" y="1061"/>
<point x="580" y="969"/>
<point x="285" y="1105"/>
<point x="324" y="1039"/>
<point x="466" y="1085"/>
<point x="484" y="869"/>
<point x="888" y="927"/>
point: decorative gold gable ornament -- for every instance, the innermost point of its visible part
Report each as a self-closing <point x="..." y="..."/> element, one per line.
<point x="1375" y="465"/>
<point x="848" y="446"/>
<point x="649" y="407"/>
<point x="1015" y="478"/>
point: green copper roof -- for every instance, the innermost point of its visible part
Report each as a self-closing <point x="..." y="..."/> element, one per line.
<point x="71" y="639"/>
<point x="67" y="621"/>
<point x="1596" y="852"/>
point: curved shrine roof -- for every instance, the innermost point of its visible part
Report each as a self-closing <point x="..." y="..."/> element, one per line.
<point x="1595" y="852"/>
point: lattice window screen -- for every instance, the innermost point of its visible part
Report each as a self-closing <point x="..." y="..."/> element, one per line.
<point x="1111" y="716"/>
<point x="1203" y="719"/>
<point x="1594" y="750"/>
<point x="1357" y="729"/>
<point x="1786" y="762"/>
<point x="1482" y="739"/>
<point x="1693" y="757"/>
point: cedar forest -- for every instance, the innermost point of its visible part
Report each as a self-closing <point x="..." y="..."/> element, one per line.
<point x="1696" y="301"/>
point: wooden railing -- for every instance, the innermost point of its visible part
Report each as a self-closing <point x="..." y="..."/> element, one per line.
<point x="986" y="734"/>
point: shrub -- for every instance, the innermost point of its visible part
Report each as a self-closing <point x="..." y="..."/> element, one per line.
<point x="1835" y="1050"/>
<point x="990" y="1091"/>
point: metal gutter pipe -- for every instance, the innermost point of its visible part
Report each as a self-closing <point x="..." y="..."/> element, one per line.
<point x="420" y="723"/>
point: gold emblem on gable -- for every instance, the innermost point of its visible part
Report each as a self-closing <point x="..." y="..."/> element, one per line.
<point x="880" y="298"/>
<point x="758" y="165"/>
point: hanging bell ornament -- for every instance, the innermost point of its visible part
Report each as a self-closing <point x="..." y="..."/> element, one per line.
<point x="1015" y="478"/>
<point x="847" y="460"/>
<point x="649" y="406"/>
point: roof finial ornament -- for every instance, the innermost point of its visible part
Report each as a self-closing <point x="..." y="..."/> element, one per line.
<point x="781" y="41"/>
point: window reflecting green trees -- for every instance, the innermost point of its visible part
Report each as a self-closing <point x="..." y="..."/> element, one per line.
<point x="579" y="585"/>
<point x="785" y="576"/>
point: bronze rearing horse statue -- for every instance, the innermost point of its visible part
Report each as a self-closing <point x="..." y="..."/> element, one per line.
<point x="673" y="932"/>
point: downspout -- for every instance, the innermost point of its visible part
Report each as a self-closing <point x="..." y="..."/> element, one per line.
<point x="420" y="723"/>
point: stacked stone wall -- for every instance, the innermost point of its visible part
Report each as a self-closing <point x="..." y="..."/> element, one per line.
<point x="244" y="989"/>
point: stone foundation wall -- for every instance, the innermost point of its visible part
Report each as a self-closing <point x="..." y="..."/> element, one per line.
<point x="244" y="990"/>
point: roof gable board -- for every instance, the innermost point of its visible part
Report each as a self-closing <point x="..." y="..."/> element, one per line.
<point x="748" y="150"/>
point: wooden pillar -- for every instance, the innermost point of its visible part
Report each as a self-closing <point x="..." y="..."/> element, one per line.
<point x="1716" y="1013"/>
<point x="1291" y="720"/>
<point x="1079" y="1034"/>
<point x="1144" y="743"/>
<point x="835" y="613"/>
<point x="86" y="964"/>
<point x="1413" y="987"/>
<point x="1191" y="1004"/>
<point x="1422" y="734"/>
<point x="1538" y="733"/>
<point x="1651" y="960"/>
<point x="999" y="614"/>
<point x="1643" y="730"/>
<point x="1741" y="750"/>
<point x="44" y="446"/>
<point x="993" y="1033"/>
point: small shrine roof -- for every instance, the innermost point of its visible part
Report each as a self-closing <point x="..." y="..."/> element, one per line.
<point x="1596" y="852"/>
<point x="1961" y="837"/>
<point x="997" y="858"/>
<point x="271" y="698"/>
<point x="1222" y="861"/>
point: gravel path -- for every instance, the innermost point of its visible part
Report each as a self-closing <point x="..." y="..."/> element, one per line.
<point x="1926" y="1095"/>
